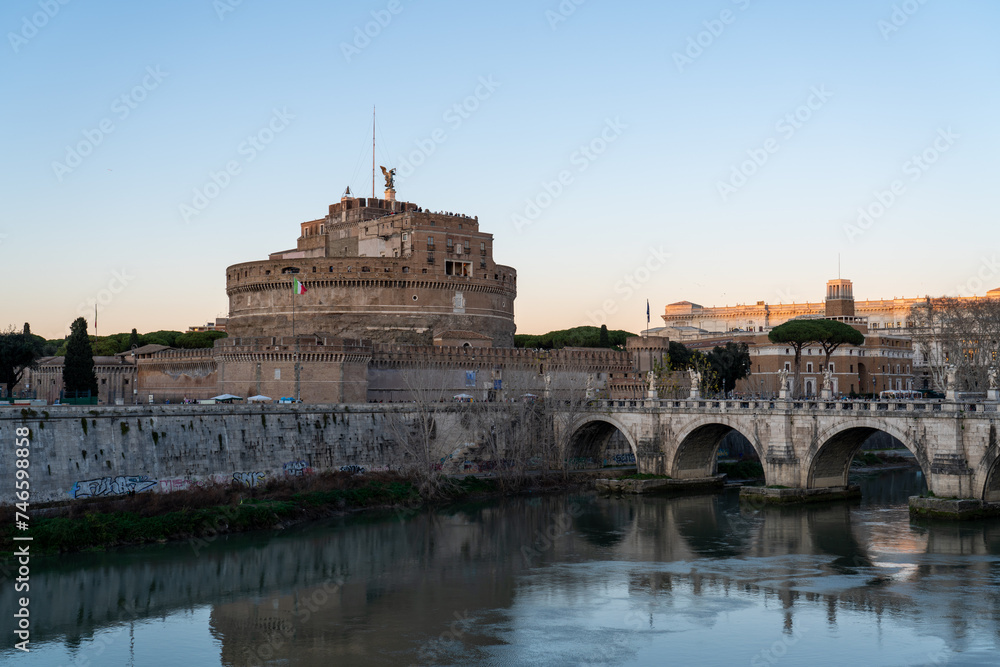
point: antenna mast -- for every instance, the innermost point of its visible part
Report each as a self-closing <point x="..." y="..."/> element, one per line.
<point x="373" y="151"/>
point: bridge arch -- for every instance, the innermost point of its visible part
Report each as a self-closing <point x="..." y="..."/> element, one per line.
<point x="588" y="436"/>
<point x="829" y="461"/>
<point x="698" y="442"/>
<point x="987" y="474"/>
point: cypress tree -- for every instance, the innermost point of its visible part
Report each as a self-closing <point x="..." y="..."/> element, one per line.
<point x="603" y="340"/>
<point x="133" y="339"/>
<point x="78" y="369"/>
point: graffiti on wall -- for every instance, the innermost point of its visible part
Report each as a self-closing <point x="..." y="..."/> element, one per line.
<point x="182" y="483"/>
<point x="112" y="486"/>
<point x="624" y="459"/>
<point x="352" y="469"/>
<point x="297" y="468"/>
<point x="250" y="479"/>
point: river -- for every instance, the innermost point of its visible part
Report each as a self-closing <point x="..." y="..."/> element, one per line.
<point x="556" y="580"/>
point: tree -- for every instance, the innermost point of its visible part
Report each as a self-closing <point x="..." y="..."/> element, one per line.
<point x="18" y="351"/>
<point x="837" y="334"/>
<point x="603" y="340"/>
<point x="133" y="340"/>
<point x="679" y="356"/>
<point x="78" y="369"/>
<point x="730" y="363"/>
<point x="797" y="334"/>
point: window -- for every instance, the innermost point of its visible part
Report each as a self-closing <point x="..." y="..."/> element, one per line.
<point x="457" y="268"/>
<point x="449" y="245"/>
<point x="832" y="369"/>
<point x="482" y="248"/>
<point x="406" y="269"/>
<point x="466" y="247"/>
<point x="788" y="366"/>
<point x="430" y="241"/>
<point x="809" y="367"/>
<point x="277" y="373"/>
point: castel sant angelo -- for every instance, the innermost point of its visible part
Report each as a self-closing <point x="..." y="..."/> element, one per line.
<point x="375" y="297"/>
<point x="379" y="270"/>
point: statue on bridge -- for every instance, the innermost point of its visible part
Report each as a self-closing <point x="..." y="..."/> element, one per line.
<point x="783" y="383"/>
<point x="827" y="391"/>
<point x="952" y="383"/>
<point x="651" y="381"/>
<point x="991" y="375"/>
<point x="695" y="383"/>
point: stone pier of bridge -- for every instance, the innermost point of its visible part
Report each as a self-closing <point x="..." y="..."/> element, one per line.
<point x="805" y="444"/>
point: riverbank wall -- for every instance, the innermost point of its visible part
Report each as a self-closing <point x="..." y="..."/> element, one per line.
<point x="77" y="452"/>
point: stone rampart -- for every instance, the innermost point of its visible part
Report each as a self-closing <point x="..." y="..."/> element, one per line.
<point x="84" y="453"/>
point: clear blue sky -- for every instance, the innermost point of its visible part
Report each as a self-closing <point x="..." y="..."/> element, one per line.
<point x="659" y="181"/>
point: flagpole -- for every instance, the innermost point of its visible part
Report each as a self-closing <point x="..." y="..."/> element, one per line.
<point x="296" y="368"/>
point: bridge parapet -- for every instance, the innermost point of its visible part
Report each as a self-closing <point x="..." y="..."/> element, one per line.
<point x="783" y="405"/>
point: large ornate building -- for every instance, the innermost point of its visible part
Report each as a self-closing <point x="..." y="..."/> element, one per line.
<point x="379" y="270"/>
<point x="390" y="298"/>
<point x="886" y="360"/>
<point x="684" y="316"/>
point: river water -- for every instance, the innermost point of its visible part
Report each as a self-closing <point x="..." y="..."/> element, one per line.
<point x="557" y="580"/>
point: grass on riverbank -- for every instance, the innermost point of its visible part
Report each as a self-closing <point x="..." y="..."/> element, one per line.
<point x="202" y="512"/>
<point x="205" y="511"/>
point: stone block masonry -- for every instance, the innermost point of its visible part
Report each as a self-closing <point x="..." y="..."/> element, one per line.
<point x="86" y="453"/>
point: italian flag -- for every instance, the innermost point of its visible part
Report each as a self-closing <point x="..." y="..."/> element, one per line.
<point x="298" y="287"/>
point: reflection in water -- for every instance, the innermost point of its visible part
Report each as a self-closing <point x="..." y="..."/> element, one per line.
<point x="556" y="580"/>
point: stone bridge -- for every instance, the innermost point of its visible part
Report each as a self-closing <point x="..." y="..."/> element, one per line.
<point x="802" y="444"/>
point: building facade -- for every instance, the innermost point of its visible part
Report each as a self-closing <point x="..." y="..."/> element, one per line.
<point x="380" y="270"/>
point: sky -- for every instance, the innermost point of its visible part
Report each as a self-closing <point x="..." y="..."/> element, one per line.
<point x="720" y="152"/>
